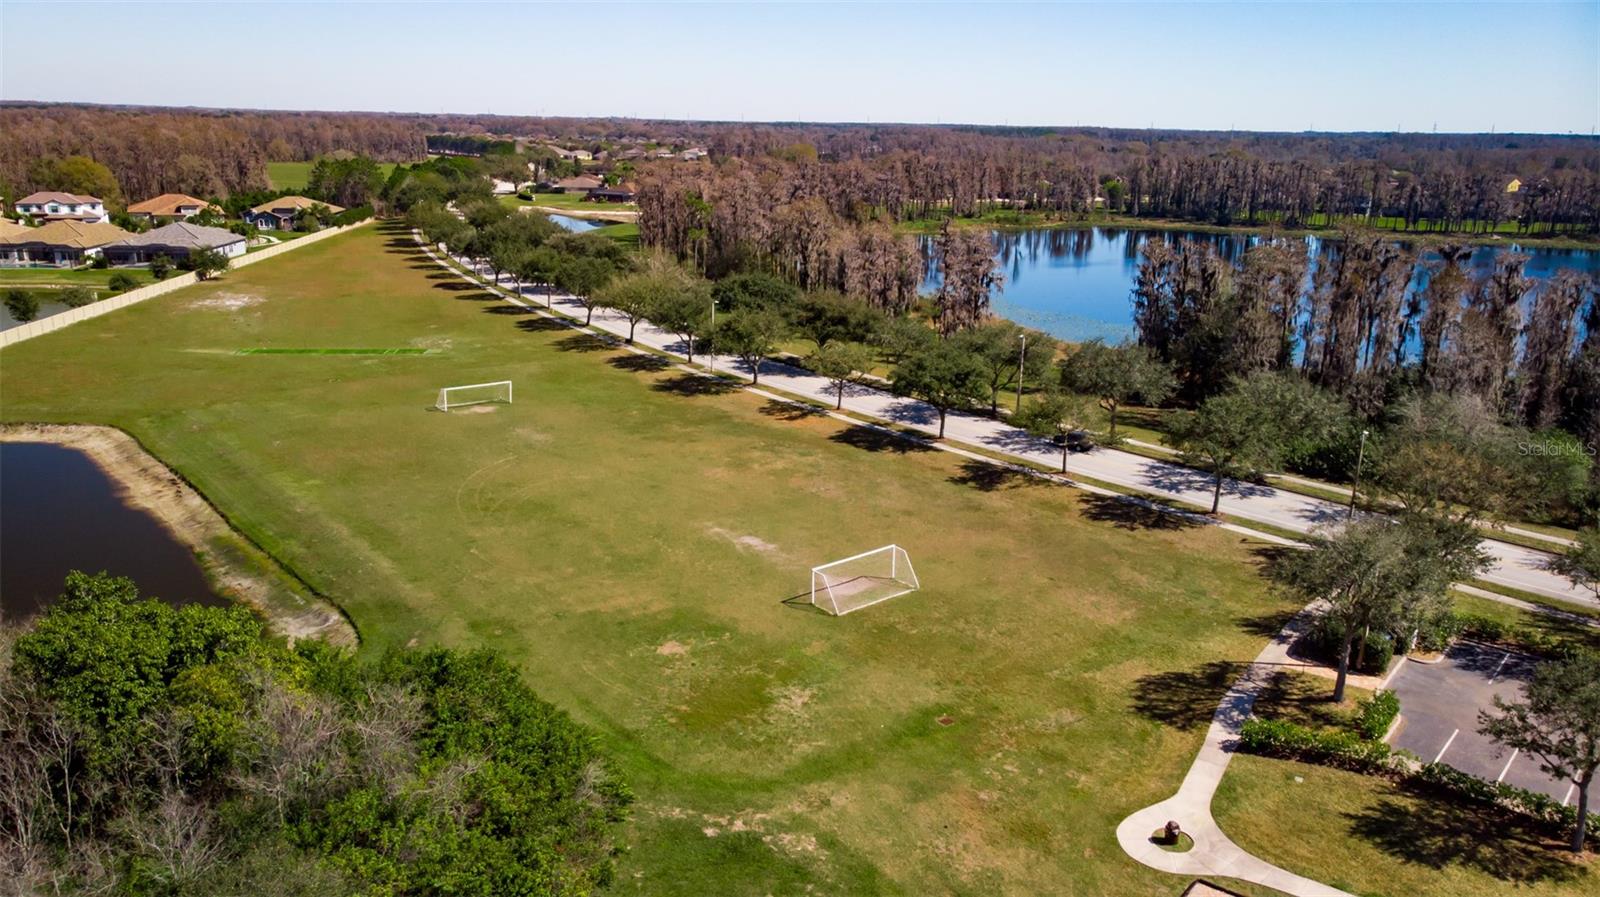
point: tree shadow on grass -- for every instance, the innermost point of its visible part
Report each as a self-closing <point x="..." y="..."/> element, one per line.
<point x="691" y="385"/>
<point x="875" y="439"/>
<point x="508" y="309"/>
<point x="986" y="477"/>
<point x="1266" y="625"/>
<point x="583" y="342"/>
<point x="640" y="364"/>
<point x="541" y="324"/>
<point x="1133" y="514"/>
<point x="791" y="411"/>
<point x="1185" y="699"/>
<point x="1437" y="832"/>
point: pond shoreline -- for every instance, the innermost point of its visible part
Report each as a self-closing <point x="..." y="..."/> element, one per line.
<point x="237" y="568"/>
<point x="927" y="227"/>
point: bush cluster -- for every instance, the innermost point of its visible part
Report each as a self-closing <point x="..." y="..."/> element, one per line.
<point x="1376" y="714"/>
<point x="1342" y="750"/>
<point x="1326" y="638"/>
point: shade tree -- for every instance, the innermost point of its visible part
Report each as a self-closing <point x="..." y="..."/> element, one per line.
<point x="943" y="375"/>
<point x="1116" y="376"/>
<point x="750" y="334"/>
<point x="1056" y="415"/>
<point x="842" y="364"/>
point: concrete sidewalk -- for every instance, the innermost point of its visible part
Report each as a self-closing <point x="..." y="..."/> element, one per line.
<point x="1511" y="565"/>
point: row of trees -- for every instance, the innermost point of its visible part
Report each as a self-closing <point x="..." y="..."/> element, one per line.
<point x="153" y="750"/>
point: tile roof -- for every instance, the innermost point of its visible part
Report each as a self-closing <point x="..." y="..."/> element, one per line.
<point x="44" y="196"/>
<point x="295" y="202"/>
<point x="182" y="233"/>
<point x="165" y="204"/>
<point x="77" y="234"/>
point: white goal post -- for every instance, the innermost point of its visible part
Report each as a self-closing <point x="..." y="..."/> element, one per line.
<point x="474" y="394"/>
<point x="863" y="580"/>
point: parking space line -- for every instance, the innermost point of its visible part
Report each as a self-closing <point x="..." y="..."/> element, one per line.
<point x="1568" y="799"/>
<point x="1499" y="668"/>
<point x="1509" y="761"/>
<point x="1437" y="757"/>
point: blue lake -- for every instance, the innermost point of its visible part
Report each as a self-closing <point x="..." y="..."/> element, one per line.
<point x="1077" y="284"/>
<point x="576" y="225"/>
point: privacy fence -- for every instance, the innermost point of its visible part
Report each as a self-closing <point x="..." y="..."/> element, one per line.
<point x="132" y="297"/>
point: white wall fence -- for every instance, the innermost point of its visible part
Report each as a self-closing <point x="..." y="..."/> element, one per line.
<point x="107" y="306"/>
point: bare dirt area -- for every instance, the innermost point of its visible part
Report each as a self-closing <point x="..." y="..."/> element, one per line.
<point x="228" y="301"/>
<point x="147" y="484"/>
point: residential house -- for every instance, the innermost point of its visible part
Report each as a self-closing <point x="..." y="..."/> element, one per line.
<point x="60" y="243"/>
<point x="1513" y="185"/>
<point x="279" y="214"/>
<point x="693" y="155"/>
<point x="175" y="241"/>
<point x="502" y="188"/>
<point x="580" y="184"/>
<point x="170" y="207"/>
<point x="617" y="193"/>
<point x="51" y="205"/>
<point x="10" y="228"/>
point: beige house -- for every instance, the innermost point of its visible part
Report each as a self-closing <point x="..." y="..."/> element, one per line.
<point x="53" y="205"/>
<point x="60" y="243"/>
<point x="170" y="207"/>
<point x="279" y="214"/>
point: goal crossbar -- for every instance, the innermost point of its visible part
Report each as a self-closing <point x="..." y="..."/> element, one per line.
<point x="473" y="394"/>
<point x="862" y="580"/>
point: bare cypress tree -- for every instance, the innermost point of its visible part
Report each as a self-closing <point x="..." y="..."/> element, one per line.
<point x="1440" y="312"/>
<point x="1489" y="330"/>
<point x="882" y="268"/>
<point x="1547" y="352"/>
<point x="1271" y="277"/>
<point x="967" y="266"/>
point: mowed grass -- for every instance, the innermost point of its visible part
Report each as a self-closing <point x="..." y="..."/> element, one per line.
<point x="296" y="175"/>
<point x="1370" y="837"/>
<point x="630" y="536"/>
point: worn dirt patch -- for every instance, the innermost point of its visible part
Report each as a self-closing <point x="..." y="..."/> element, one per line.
<point x="476" y="409"/>
<point x="150" y="486"/>
<point x="672" y="649"/>
<point x="228" y="301"/>
<point x="743" y="542"/>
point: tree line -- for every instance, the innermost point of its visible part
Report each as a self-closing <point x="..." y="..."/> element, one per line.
<point x="153" y="750"/>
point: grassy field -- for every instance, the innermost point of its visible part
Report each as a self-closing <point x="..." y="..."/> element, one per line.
<point x="295" y="175"/>
<point x="568" y="201"/>
<point x="1370" y="837"/>
<point x="94" y="278"/>
<point x="636" y="540"/>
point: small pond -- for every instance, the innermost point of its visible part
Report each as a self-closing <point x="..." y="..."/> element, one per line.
<point x="577" y="225"/>
<point x="60" y="512"/>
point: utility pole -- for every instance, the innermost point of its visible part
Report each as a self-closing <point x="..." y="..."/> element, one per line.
<point x="1361" y="453"/>
<point x="1022" y="361"/>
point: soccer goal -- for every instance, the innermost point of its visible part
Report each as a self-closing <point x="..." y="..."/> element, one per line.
<point x="863" y="580"/>
<point x="474" y="394"/>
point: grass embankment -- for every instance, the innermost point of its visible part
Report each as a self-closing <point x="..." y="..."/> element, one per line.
<point x="629" y="537"/>
<point x="1505" y="232"/>
<point x="296" y="175"/>
<point x="575" y="202"/>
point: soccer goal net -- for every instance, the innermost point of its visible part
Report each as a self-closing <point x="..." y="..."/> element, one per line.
<point x="474" y="394"/>
<point x="862" y="580"/>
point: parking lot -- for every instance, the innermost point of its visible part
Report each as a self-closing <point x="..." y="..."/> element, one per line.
<point x="1439" y="704"/>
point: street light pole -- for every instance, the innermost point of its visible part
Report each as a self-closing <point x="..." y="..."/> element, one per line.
<point x="713" y="355"/>
<point x="1356" y="483"/>
<point x="1022" y="361"/>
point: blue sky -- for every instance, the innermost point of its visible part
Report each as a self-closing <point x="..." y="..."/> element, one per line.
<point x="1456" y="66"/>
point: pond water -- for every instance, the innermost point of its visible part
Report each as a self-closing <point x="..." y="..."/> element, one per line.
<point x="1077" y="284"/>
<point x="60" y="512"/>
<point x="577" y="225"/>
<point x="46" y="309"/>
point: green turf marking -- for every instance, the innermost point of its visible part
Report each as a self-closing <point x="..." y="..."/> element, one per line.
<point x="262" y="350"/>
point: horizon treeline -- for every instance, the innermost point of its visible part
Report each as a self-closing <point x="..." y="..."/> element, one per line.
<point x="1447" y="183"/>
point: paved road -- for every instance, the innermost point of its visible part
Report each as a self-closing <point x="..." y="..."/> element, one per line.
<point x="1439" y="704"/>
<point x="1512" y="565"/>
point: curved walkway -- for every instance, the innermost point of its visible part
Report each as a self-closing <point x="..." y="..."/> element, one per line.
<point x="1213" y="853"/>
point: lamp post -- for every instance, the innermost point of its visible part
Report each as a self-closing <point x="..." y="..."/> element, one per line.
<point x="1022" y="360"/>
<point x="713" y="355"/>
<point x="1356" y="483"/>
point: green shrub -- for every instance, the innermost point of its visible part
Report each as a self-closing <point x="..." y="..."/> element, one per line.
<point x="351" y="216"/>
<point x="75" y="297"/>
<point x="1342" y="750"/>
<point x="1440" y="778"/>
<point x="1376" y="714"/>
<point x="1326" y="637"/>
<point x="122" y="282"/>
